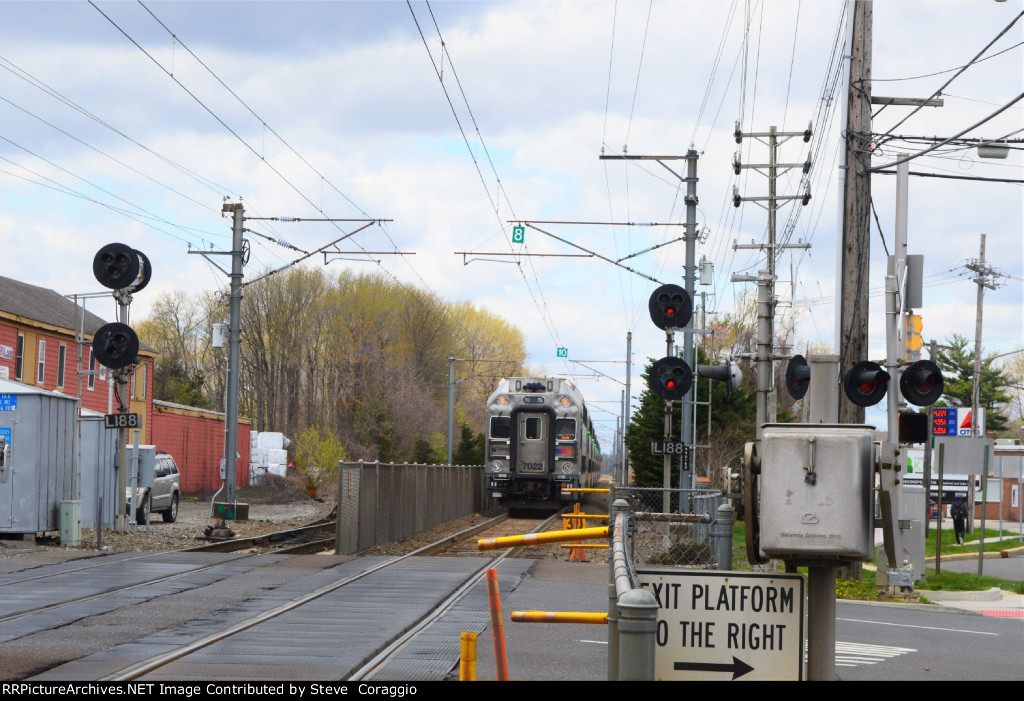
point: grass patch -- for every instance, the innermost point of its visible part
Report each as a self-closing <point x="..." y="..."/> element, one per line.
<point x="949" y="546"/>
<point x="962" y="581"/>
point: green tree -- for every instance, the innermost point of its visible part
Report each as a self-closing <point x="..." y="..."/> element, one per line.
<point x="957" y="365"/>
<point x="470" y="450"/>
<point x="317" y="456"/>
<point x="648" y="425"/>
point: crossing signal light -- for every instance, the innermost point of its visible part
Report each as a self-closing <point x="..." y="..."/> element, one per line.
<point x="115" y="346"/>
<point x="729" y="372"/>
<point x="670" y="307"/>
<point x="798" y="377"/>
<point x="866" y="383"/>
<point x="921" y="384"/>
<point x="670" y="378"/>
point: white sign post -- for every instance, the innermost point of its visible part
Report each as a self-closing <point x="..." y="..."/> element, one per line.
<point x="724" y="625"/>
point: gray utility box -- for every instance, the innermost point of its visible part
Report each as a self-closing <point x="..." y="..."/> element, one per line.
<point x="816" y="491"/>
<point x="39" y="432"/>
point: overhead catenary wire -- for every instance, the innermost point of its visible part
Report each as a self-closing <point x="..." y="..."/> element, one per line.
<point x="540" y="304"/>
<point x="218" y="119"/>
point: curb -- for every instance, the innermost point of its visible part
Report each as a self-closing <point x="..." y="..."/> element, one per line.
<point x="993" y="594"/>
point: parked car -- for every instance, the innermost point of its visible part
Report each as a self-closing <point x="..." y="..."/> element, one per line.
<point x="165" y="494"/>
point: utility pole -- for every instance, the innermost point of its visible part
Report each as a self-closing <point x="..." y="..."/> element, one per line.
<point x="624" y="476"/>
<point x="766" y="278"/>
<point x="854" y="251"/>
<point x="234" y="353"/>
<point x="984" y="278"/>
<point x="689" y="273"/>
<point x="451" y="404"/>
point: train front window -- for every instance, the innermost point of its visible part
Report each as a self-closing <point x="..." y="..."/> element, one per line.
<point x="501" y="427"/>
<point x="533" y="429"/>
<point x="565" y="429"/>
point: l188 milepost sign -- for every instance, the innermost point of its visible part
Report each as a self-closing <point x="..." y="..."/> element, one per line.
<point x="721" y="626"/>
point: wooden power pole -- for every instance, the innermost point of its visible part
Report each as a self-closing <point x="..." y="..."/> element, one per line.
<point x="855" y="252"/>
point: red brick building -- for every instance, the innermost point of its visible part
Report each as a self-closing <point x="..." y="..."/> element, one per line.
<point x="38" y="348"/>
<point x="195" y="437"/>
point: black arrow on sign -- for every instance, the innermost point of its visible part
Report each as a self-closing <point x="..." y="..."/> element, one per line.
<point x="738" y="667"/>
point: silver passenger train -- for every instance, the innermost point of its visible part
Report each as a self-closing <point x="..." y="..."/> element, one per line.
<point x="540" y="439"/>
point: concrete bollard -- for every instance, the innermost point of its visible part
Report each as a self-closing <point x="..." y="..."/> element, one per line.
<point x="638" y="624"/>
<point x="721" y="533"/>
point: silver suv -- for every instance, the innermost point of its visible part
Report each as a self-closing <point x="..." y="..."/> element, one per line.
<point x="165" y="494"/>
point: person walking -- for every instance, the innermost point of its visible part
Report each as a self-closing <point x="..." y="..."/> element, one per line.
<point x="959" y="513"/>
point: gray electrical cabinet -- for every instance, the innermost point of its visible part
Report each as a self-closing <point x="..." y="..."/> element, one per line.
<point x="98" y="491"/>
<point x="38" y="428"/>
<point x="817" y="484"/>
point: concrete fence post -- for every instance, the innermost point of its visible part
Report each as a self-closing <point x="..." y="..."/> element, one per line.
<point x="721" y="533"/>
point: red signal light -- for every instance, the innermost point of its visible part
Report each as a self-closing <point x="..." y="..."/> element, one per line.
<point x="670" y="384"/>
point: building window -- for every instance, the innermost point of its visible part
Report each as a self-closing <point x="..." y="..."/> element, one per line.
<point x="133" y="395"/>
<point x="92" y="369"/>
<point x="41" y="362"/>
<point x="61" y="358"/>
<point x="19" y="363"/>
<point x="143" y="381"/>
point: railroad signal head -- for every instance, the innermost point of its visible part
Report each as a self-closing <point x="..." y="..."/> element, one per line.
<point x="798" y="377"/>
<point x="115" y="346"/>
<point x="866" y="383"/>
<point x="118" y="266"/>
<point x="921" y="384"/>
<point x="729" y="372"/>
<point x="670" y="378"/>
<point x="671" y="307"/>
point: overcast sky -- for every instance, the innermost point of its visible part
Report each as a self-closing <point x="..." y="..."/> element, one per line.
<point x="131" y="123"/>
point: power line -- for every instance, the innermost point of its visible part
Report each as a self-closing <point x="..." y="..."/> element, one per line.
<point x="957" y="75"/>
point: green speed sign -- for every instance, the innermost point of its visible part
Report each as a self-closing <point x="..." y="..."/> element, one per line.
<point x="518" y="234"/>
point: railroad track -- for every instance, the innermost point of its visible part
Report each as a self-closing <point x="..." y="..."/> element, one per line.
<point x="315" y="537"/>
<point x="368" y="583"/>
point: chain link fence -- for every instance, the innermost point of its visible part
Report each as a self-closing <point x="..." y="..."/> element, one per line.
<point x="671" y="526"/>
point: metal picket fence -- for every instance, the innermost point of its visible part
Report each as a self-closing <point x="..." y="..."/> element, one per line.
<point x="384" y="502"/>
<point x="672" y="526"/>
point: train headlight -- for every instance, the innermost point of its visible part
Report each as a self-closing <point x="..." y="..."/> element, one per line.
<point x="565" y="401"/>
<point x="497" y="465"/>
<point x="566" y="467"/>
<point x="501" y="399"/>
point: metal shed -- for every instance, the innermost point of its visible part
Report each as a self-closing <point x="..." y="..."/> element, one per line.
<point x="38" y="474"/>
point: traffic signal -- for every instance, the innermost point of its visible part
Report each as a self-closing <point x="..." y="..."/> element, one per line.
<point x="913" y="428"/>
<point x="115" y="346"/>
<point x="671" y="307"/>
<point x="670" y="378"/>
<point x="866" y="383"/>
<point x="912" y="335"/>
<point x="728" y="371"/>
<point x="921" y="384"/>
<point x="798" y="377"/>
